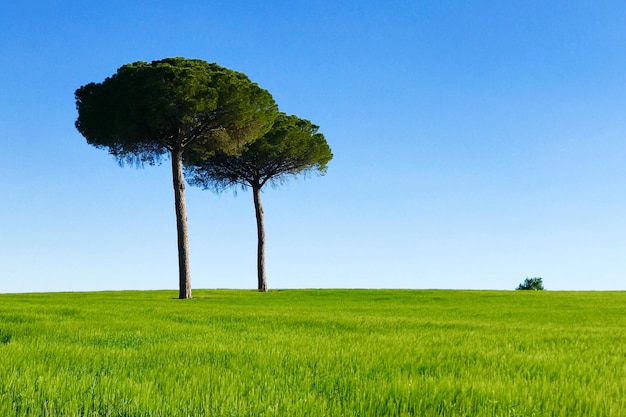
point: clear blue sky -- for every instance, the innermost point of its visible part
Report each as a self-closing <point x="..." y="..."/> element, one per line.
<point x="476" y="143"/>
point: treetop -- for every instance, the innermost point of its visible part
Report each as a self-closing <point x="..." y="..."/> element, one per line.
<point x="146" y="110"/>
<point x="292" y="146"/>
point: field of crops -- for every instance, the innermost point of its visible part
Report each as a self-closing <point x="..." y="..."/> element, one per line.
<point x="314" y="353"/>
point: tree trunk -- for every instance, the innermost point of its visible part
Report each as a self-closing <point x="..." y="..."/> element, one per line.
<point x="184" y="276"/>
<point x="260" y="227"/>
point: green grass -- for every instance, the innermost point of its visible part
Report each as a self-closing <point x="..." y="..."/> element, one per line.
<point x="314" y="353"/>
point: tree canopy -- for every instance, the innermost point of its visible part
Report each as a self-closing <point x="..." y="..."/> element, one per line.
<point x="148" y="110"/>
<point x="176" y="107"/>
<point x="292" y="146"/>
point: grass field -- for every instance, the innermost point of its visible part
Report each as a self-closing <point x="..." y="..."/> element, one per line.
<point x="314" y="353"/>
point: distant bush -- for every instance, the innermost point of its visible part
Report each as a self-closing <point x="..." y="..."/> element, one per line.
<point x="535" y="284"/>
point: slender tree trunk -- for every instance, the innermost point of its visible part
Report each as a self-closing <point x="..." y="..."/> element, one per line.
<point x="260" y="227"/>
<point x="184" y="277"/>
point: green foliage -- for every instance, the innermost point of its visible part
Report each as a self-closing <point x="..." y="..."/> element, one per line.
<point x="148" y="110"/>
<point x="291" y="147"/>
<point x="314" y="353"/>
<point x="534" y="284"/>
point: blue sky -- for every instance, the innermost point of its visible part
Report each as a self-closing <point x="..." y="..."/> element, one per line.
<point x="476" y="143"/>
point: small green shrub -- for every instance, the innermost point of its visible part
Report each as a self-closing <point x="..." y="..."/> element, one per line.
<point x="535" y="284"/>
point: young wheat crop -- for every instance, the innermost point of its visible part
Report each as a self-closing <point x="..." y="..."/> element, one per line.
<point x="313" y="353"/>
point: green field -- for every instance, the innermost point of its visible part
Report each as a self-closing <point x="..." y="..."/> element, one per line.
<point x="314" y="353"/>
